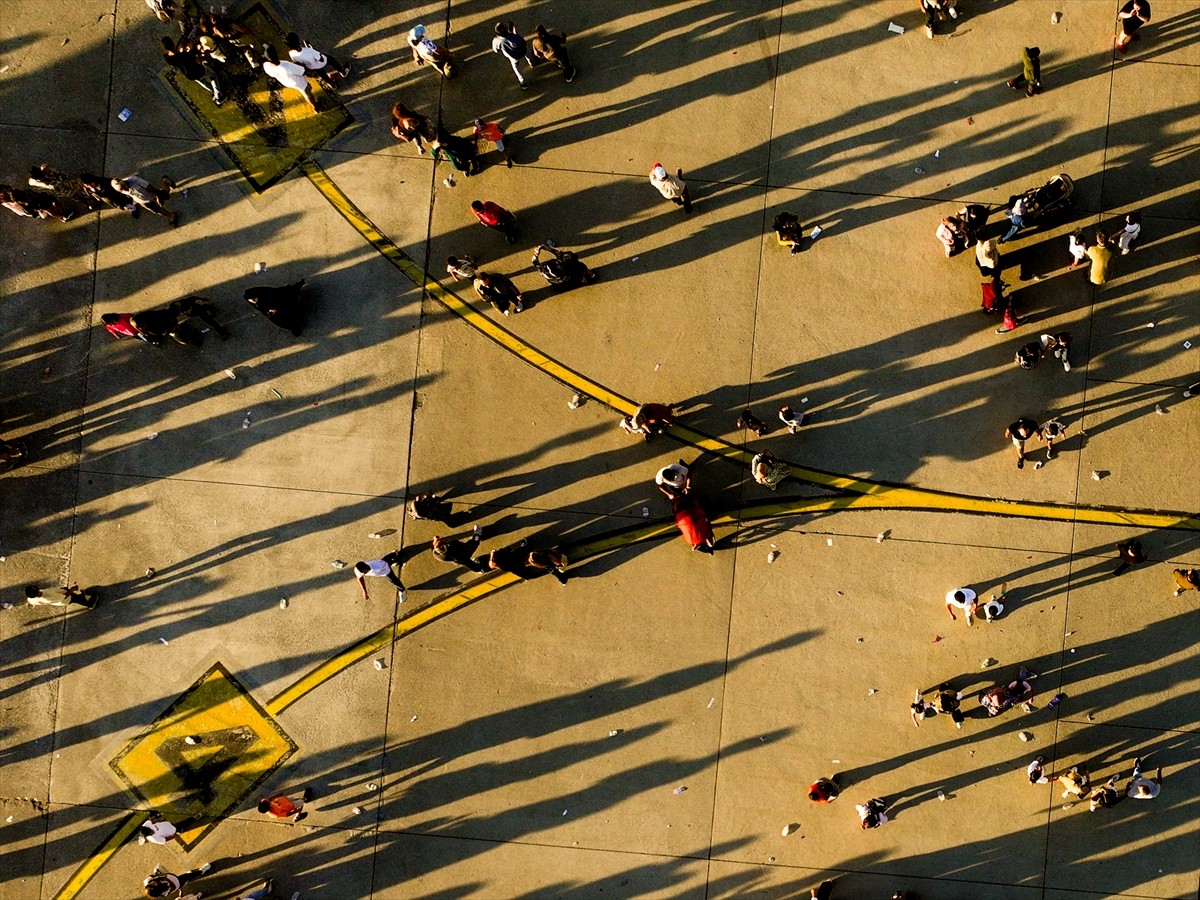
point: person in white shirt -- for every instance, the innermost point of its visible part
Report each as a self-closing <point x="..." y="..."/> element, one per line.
<point x="156" y="830"/>
<point x="305" y="54"/>
<point x="288" y="74"/>
<point x="380" y="568"/>
<point x="964" y="599"/>
<point x="1143" y="788"/>
<point x="1133" y="228"/>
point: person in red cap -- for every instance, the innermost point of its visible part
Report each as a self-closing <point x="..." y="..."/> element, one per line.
<point x="673" y="187"/>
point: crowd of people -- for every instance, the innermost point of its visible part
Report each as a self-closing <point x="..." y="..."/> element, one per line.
<point x="216" y="51"/>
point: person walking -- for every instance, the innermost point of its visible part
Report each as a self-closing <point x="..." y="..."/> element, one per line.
<point x="1105" y="796"/>
<point x="289" y="75"/>
<point x="459" y="150"/>
<point x="305" y="54"/>
<point x="281" y="806"/>
<point x="871" y="814"/>
<point x="1078" y="246"/>
<point x="161" y="883"/>
<point x="964" y="599"/>
<point x="145" y="196"/>
<point x="549" y="47"/>
<point x="1019" y="432"/>
<point x="936" y="12"/>
<point x="509" y="44"/>
<point x="281" y="305"/>
<point x="693" y="523"/>
<point x="1186" y="580"/>
<point x="1130" y="18"/>
<point x="1130" y="233"/>
<point x="70" y="595"/>
<point x="1016" y="216"/>
<point x="768" y="471"/>
<point x="1036" y="772"/>
<point x="1031" y="73"/>
<point x="674" y="480"/>
<point x="461" y="268"/>
<point x="1059" y="346"/>
<point x="1143" y="788"/>
<point x="380" y="568"/>
<point x="462" y="553"/>
<point x="12" y="453"/>
<point x="748" y="421"/>
<point x="792" y="419"/>
<point x="410" y="126"/>
<point x="432" y="508"/>
<point x="493" y="133"/>
<point x="499" y="291"/>
<point x="493" y="215"/>
<point x="1130" y="553"/>
<point x="824" y="790"/>
<point x="1101" y="256"/>
<point x="673" y="187"/>
<point x="1052" y="430"/>
<point x="552" y="561"/>
<point x="510" y="559"/>
<point x="1073" y="781"/>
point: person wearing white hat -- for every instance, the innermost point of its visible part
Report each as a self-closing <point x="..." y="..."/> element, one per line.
<point x="673" y="187"/>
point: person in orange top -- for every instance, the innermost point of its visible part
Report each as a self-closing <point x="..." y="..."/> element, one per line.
<point x="281" y="806"/>
<point x="491" y="131"/>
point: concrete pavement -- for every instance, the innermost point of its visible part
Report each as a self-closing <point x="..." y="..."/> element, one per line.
<point x="479" y="758"/>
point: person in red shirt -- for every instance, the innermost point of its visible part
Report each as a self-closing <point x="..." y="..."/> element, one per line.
<point x="493" y="215"/>
<point x="824" y="790"/>
<point x="491" y="131"/>
<point x="281" y="806"/>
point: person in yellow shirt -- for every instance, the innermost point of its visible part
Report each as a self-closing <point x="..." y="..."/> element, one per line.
<point x="1100" y="255"/>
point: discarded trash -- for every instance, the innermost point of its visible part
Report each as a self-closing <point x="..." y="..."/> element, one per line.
<point x="1158" y="409"/>
<point x="1149" y="324"/>
<point x="614" y="732"/>
<point x="772" y="556"/>
<point x="881" y="537"/>
<point x="413" y="719"/>
<point x="711" y="701"/>
<point x="1068" y="634"/>
<point x="635" y="259"/>
<point x="679" y="790"/>
<point x="770" y="859"/>
<point x="576" y="401"/>
<point x="276" y="393"/>
<point x="338" y="564"/>
<point x="1067" y="805"/>
<point x="449" y="181"/>
<point x="919" y="170"/>
<point x="163" y="641"/>
<point x="788" y="829"/>
<point x="372" y="786"/>
<point x="1187" y="345"/>
<point x="872" y="692"/>
<point x="232" y="375"/>
<point x="375" y="534"/>
<point x="803" y="399"/>
<point x="895" y="29"/>
<point x="987" y="663"/>
<point x="125" y="114"/>
<point x="1055" y="700"/>
<point x="191" y="740"/>
<point x="645" y="512"/>
<point x="564" y="812"/>
<point x="936" y="638"/>
<point x="283" y="602"/>
<point x="260" y="267"/>
<point x="970" y="120"/>
<point x="1072" y="649"/>
<point x="1096" y="476"/>
<point x="152" y="436"/>
<point x="1055" y="18"/>
<point x="941" y="795"/>
<point x="9" y="819"/>
<point x="816" y="232"/>
<point x="937" y="154"/>
<point x="1026" y="736"/>
<point x="7" y="606"/>
<point x="358" y="810"/>
<point x="378" y="665"/>
<point x="149" y="573"/>
<point x="858" y="640"/>
<point x="4" y="69"/>
<point x="246" y="421"/>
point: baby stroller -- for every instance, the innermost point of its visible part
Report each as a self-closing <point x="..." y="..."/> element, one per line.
<point x="1055" y="194"/>
<point x="959" y="231"/>
<point x="563" y="269"/>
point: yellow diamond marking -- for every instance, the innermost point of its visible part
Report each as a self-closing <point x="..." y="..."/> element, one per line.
<point x="204" y="755"/>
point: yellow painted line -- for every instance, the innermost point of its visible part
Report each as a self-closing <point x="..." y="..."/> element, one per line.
<point x="884" y="495"/>
<point x="102" y="855"/>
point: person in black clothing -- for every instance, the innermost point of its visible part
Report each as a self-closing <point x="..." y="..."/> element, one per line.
<point x="281" y="305"/>
<point x="449" y="550"/>
<point x="1131" y="553"/>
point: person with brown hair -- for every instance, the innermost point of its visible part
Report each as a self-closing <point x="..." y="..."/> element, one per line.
<point x="549" y="47"/>
<point x="410" y="126"/>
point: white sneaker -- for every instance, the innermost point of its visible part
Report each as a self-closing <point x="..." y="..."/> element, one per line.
<point x="478" y="531"/>
<point x="403" y="595"/>
<point x="1066" y="366"/>
<point x="929" y="32"/>
<point x="204" y="868"/>
<point x="953" y="12"/>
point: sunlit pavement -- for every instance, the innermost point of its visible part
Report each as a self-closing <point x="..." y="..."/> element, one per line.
<point x="492" y="739"/>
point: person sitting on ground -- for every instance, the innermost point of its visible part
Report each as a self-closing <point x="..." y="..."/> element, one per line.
<point x="1105" y="796"/>
<point x="653" y="418"/>
<point x="824" y="790"/>
<point x="1186" y="580"/>
<point x="674" y="480"/>
<point x="1073" y="781"/>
